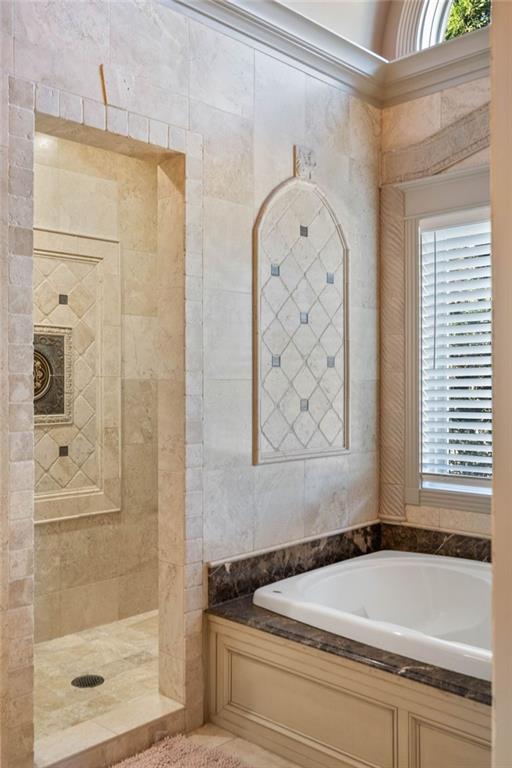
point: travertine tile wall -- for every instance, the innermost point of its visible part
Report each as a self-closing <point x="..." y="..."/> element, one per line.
<point x="416" y="120"/>
<point x="402" y="126"/>
<point x="246" y="507"/>
<point x="250" y="109"/>
<point x="98" y="569"/>
<point x="17" y="553"/>
<point x="235" y="111"/>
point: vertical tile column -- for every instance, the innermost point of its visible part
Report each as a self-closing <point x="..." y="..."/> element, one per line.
<point x="193" y="574"/>
<point x="392" y="394"/>
<point x="180" y="425"/>
<point x="17" y="515"/>
<point x="171" y="425"/>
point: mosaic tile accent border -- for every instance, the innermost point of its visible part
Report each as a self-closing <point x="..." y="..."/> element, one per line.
<point x="300" y="327"/>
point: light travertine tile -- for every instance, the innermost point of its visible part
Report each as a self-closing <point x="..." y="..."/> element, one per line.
<point x="227" y="152"/>
<point x="462" y="99"/>
<point x="137" y="712"/>
<point x="411" y="122"/>
<point x="326" y="507"/>
<point x="254" y="755"/>
<point x="279" y="503"/>
<point x="221" y="71"/>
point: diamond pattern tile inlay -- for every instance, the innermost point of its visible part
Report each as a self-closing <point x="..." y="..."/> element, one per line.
<point x="300" y="315"/>
<point x="66" y="295"/>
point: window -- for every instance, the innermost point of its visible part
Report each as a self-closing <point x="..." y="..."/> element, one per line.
<point x="448" y="341"/>
<point x="466" y="16"/>
<point x="424" y="23"/>
<point x="455" y="354"/>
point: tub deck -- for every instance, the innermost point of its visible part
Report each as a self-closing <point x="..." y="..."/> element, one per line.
<point x="243" y="611"/>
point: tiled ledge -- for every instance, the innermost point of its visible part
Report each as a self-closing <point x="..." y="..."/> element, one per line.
<point x="113" y="736"/>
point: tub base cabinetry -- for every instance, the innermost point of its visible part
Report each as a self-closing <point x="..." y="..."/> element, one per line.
<point x="323" y="711"/>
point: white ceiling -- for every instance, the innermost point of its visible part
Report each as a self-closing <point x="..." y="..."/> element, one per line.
<point x="362" y="22"/>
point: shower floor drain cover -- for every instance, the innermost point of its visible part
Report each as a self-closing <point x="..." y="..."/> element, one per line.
<point x="88" y="681"/>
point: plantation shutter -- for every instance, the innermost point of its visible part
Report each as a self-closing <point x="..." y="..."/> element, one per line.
<point x="456" y="320"/>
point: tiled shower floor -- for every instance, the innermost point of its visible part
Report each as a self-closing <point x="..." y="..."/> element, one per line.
<point x="125" y="653"/>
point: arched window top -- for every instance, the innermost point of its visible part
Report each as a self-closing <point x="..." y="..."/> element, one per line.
<point x="433" y="21"/>
<point x="424" y="23"/>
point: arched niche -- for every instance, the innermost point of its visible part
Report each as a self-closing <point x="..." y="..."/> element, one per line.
<point x="300" y="326"/>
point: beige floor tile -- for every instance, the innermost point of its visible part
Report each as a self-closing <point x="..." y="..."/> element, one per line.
<point x="210" y="735"/>
<point x="125" y="653"/>
<point x="255" y="756"/>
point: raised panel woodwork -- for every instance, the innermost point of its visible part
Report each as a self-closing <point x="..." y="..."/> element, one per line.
<point x="433" y="746"/>
<point x="322" y="711"/>
<point x="338" y="719"/>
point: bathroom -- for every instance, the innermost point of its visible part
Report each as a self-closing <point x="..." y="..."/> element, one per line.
<point x="212" y="313"/>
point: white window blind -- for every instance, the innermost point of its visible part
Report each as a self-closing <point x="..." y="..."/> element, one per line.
<point x="456" y="383"/>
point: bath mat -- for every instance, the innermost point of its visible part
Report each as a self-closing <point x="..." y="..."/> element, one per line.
<point x="179" y="752"/>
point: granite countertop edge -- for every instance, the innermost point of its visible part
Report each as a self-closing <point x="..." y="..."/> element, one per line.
<point x="241" y="610"/>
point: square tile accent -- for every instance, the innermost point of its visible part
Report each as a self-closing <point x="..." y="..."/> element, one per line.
<point x="331" y="362"/>
<point x="53" y="375"/>
<point x="63" y="450"/>
<point x="63" y="298"/>
<point x="274" y="270"/>
<point x="330" y="278"/>
<point x="301" y="324"/>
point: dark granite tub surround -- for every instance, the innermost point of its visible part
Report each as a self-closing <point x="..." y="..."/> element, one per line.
<point x="242" y="611"/>
<point x="236" y="578"/>
<point x="432" y="542"/>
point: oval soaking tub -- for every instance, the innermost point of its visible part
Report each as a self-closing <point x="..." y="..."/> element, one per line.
<point x="429" y="608"/>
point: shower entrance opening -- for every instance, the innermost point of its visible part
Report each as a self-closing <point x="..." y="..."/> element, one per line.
<point x="108" y="357"/>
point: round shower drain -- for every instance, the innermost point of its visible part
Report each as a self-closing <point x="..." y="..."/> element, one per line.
<point x="88" y="681"/>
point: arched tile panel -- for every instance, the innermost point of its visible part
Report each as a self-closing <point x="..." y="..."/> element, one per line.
<point x="300" y="326"/>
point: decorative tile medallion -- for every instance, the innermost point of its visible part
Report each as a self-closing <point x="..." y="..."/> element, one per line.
<point x="304" y="162"/>
<point x="53" y="384"/>
<point x="299" y="326"/>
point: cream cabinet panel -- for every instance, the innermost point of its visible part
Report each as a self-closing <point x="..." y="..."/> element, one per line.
<point x="323" y="711"/>
<point x="433" y="746"/>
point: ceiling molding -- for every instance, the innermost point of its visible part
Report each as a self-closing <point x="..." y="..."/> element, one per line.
<point x="272" y="25"/>
<point x="278" y="27"/>
<point x="434" y="69"/>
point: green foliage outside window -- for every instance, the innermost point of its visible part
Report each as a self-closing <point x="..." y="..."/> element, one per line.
<point x="467" y="15"/>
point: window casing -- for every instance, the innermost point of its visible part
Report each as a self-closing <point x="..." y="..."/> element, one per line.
<point x="448" y="344"/>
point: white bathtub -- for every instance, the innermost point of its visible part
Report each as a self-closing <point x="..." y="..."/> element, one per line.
<point x="429" y="608"/>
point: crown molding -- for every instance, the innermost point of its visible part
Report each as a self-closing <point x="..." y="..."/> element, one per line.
<point x="286" y="32"/>
<point x="384" y="83"/>
<point x="434" y="69"/>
